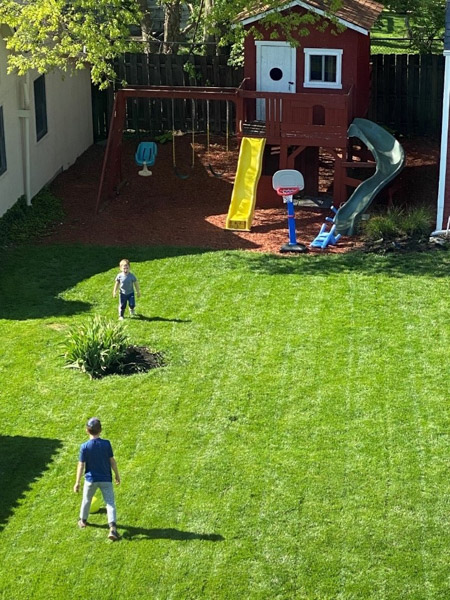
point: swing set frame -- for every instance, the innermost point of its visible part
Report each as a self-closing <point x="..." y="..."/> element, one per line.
<point x="111" y="175"/>
<point x="290" y="126"/>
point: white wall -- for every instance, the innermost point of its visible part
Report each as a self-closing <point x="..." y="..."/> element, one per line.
<point x="69" y="122"/>
<point x="11" y="182"/>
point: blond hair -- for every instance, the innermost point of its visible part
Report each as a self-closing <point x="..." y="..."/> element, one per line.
<point x="124" y="261"/>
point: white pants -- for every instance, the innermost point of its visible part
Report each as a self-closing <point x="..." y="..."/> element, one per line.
<point x="89" y="489"/>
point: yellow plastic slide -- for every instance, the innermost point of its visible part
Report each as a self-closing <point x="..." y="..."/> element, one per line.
<point x="243" y="198"/>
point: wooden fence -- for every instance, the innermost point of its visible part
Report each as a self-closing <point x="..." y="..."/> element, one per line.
<point x="406" y="93"/>
<point x="155" y="115"/>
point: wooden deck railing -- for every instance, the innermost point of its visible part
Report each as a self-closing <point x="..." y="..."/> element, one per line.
<point x="310" y="118"/>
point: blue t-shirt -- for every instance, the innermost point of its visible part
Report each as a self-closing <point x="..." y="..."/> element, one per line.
<point x="96" y="453"/>
<point x="126" y="282"/>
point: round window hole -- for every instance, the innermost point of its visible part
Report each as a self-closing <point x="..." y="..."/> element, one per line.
<point x="276" y="74"/>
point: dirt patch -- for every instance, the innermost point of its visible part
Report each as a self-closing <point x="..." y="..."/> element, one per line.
<point x="137" y="359"/>
<point x="167" y="210"/>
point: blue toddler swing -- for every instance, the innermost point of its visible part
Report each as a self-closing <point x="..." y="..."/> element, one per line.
<point x="145" y="157"/>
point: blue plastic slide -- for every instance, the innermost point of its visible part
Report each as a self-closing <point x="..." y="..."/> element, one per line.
<point x="389" y="158"/>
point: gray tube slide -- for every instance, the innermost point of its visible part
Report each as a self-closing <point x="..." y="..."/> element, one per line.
<point x="389" y="159"/>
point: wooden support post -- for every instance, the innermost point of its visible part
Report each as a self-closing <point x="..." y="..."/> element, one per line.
<point x="283" y="155"/>
<point x="339" y="187"/>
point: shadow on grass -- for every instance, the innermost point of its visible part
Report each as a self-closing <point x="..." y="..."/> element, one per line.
<point x="140" y="533"/>
<point x="435" y="263"/>
<point x="139" y="317"/>
<point x="22" y="461"/>
<point x="39" y="275"/>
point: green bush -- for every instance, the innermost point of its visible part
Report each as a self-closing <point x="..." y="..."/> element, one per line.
<point x="386" y="226"/>
<point x="418" y="223"/>
<point x="97" y="347"/>
<point x="415" y="223"/>
<point x="22" y="223"/>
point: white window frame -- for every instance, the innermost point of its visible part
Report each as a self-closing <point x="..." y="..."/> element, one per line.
<point x="337" y="53"/>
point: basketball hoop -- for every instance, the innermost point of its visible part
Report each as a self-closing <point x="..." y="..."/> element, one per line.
<point x="286" y="183"/>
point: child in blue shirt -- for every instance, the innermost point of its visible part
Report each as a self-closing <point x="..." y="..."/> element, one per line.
<point x="126" y="283"/>
<point x="96" y="461"/>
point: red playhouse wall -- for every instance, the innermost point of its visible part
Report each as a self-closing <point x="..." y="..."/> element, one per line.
<point x="355" y="59"/>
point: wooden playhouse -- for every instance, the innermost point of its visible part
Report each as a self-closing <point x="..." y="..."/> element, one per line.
<point x="304" y="98"/>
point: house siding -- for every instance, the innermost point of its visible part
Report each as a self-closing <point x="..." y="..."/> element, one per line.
<point x="11" y="181"/>
<point x="70" y="132"/>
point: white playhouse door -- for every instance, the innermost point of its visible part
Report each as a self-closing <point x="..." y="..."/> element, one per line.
<point x="275" y="71"/>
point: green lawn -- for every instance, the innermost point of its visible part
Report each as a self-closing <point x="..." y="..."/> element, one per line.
<point x="389" y="25"/>
<point x="389" y="36"/>
<point x="294" y="447"/>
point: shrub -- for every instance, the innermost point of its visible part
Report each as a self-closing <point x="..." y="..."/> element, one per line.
<point x="415" y="223"/>
<point x="386" y="227"/>
<point x="418" y="223"/>
<point x="22" y="223"/>
<point x="97" y="347"/>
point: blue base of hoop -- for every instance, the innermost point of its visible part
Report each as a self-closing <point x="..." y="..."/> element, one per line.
<point x="297" y="248"/>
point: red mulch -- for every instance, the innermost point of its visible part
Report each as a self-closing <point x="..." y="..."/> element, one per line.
<point x="166" y="210"/>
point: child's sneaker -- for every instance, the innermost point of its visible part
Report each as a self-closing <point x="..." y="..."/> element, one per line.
<point x="113" y="535"/>
<point x="120" y="318"/>
<point x="82" y="523"/>
<point x="132" y="312"/>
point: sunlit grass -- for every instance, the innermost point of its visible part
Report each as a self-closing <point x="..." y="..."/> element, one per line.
<point x="294" y="446"/>
<point x="390" y="36"/>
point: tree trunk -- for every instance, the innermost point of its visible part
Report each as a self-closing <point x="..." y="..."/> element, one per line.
<point x="146" y="26"/>
<point x="172" y="23"/>
<point x="209" y="39"/>
<point x="408" y="27"/>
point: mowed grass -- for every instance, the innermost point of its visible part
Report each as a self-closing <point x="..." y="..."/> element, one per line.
<point x="390" y="36"/>
<point x="295" y="445"/>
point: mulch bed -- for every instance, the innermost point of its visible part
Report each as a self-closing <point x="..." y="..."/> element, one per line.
<point x="166" y="210"/>
<point x="138" y="359"/>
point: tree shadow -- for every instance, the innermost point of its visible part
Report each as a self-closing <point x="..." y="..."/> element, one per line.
<point x="134" y="534"/>
<point x="140" y="317"/>
<point x="22" y="461"/>
<point x="434" y="263"/>
<point x="39" y="275"/>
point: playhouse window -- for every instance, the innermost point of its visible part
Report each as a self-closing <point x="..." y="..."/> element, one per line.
<point x="40" y="104"/>
<point x="323" y="68"/>
<point x="2" y="144"/>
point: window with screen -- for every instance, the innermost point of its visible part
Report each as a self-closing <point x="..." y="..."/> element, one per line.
<point x="323" y="68"/>
<point x="40" y="106"/>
